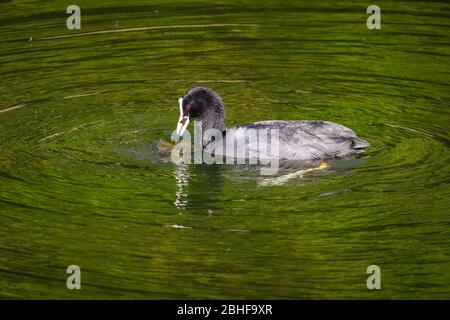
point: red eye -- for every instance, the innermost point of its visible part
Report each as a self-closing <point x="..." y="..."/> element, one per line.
<point x="188" y="107"/>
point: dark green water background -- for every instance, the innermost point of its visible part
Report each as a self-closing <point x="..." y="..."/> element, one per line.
<point x="81" y="182"/>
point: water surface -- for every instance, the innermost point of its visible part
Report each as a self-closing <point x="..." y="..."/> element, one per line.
<point x="82" y="183"/>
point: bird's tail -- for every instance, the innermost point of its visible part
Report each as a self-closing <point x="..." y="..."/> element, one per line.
<point x="358" y="143"/>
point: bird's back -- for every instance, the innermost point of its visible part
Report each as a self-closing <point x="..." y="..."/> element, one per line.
<point x="298" y="140"/>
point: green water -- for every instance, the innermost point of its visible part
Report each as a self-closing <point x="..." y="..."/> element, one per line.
<point x="81" y="182"/>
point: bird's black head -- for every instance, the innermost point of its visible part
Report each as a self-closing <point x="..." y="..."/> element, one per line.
<point x="199" y="100"/>
<point x="200" y="104"/>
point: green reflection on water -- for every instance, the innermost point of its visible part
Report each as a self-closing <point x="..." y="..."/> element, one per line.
<point x="81" y="182"/>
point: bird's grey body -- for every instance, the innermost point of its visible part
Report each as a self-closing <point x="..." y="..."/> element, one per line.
<point x="297" y="140"/>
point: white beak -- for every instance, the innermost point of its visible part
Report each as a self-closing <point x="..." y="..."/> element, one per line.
<point x="183" y="122"/>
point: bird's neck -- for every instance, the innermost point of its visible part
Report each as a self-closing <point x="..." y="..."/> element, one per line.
<point x="212" y="119"/>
